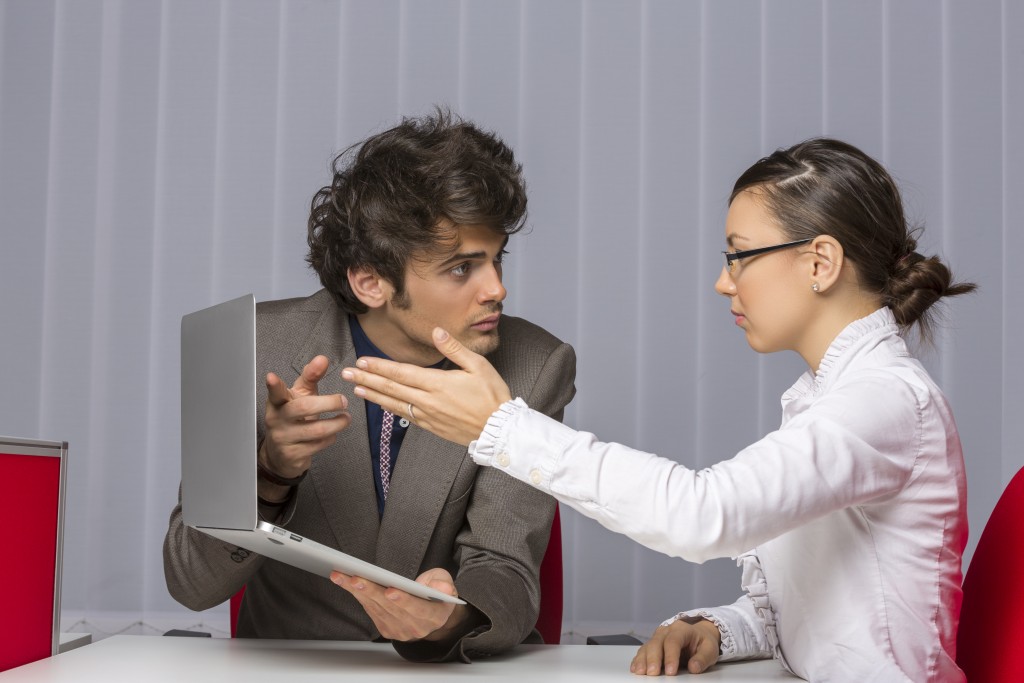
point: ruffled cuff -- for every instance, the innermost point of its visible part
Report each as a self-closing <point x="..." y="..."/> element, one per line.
<point x="756" y="585"/>
<point x="495" y="434"/>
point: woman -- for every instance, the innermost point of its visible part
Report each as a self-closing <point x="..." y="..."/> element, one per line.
<point x="849" y="521"/>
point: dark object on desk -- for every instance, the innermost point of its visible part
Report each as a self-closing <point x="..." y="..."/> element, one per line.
<point x="192" y="634"/>
<point x="614" y="639"/>
<point x="991" y="623"/>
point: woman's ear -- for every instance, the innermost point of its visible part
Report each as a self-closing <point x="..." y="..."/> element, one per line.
<point x="369" y="287"/>
<point x="827" y="263"/>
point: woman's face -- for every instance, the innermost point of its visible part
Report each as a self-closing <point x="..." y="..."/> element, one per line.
<point x="769" y="295"/>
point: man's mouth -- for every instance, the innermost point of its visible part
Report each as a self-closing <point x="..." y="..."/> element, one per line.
<point x="487" y="324"/>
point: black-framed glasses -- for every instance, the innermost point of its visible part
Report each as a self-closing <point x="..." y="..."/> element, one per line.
<point x="731" y="256"/>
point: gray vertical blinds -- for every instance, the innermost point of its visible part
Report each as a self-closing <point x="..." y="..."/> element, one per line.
<point x="156" y="157"/>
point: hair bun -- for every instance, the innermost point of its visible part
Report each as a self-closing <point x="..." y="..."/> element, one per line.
<point x="917" y="283"/>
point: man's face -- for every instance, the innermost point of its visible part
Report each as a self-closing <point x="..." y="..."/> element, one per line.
<point x="460" y="291"/>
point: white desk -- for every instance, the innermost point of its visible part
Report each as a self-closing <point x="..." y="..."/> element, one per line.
<point x="156" y="659"/>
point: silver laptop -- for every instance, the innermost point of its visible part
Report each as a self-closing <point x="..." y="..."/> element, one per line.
<point x="218" y="449"/>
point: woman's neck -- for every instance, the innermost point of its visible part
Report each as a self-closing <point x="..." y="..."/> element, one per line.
<point x="831" y="319"/>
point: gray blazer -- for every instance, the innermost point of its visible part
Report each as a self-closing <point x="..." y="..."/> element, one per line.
<point x="489" y="530"/>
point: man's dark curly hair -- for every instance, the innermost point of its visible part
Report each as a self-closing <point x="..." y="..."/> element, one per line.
<point x="397" y="194"/>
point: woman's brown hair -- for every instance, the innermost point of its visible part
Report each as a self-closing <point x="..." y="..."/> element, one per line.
<point x="828" y="187"/>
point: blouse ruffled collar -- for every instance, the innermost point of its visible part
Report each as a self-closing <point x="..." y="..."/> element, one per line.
<point x="852" y="335"/>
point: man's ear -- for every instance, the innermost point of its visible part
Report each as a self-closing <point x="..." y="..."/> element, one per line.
<point x="828" y="262"/>
<point x="369" y="287"/>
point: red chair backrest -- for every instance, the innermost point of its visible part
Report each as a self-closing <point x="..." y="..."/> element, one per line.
<point x="236" y="605"/>
<point x="30" y="570"/>
<point x="990" y="638"/>
<point x="549" y="621"/>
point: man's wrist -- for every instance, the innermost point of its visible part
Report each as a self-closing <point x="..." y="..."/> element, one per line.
<point x="267" y="490"/>
<point x="273" y="494"/>
<point x="268" y="475"/>
<point x="463" y="620"/>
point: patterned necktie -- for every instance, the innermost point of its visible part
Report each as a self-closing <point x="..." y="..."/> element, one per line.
<point x="385" y="451"/>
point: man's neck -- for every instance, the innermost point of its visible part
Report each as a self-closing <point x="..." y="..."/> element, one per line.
<point x="394" y="343"/>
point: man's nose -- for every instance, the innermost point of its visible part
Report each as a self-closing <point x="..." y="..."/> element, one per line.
<point x="492" y="288"/>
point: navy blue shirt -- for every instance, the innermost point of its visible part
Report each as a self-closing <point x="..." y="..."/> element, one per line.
<point x="375" y="414"/>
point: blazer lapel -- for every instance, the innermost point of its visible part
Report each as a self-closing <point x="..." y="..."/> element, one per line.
<point x="420" y="486"/>
<point x="342" y="474"/>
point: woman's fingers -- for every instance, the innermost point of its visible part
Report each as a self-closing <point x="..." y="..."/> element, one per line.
<point x="647" y="661"/>
<point x="397" y="406"/>
<point x="680" y="645"/>
<point x="454" y="351"/>
<point x="398" y="380"/>
<point x="453" y="404"/>
<point x="390" y="394"/>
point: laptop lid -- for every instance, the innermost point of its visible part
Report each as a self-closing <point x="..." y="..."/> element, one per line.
<point x="218" y="415"/>
<point x="218" y="448"/>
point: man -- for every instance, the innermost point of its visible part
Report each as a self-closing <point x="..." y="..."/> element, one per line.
<point x="409" y="235"/>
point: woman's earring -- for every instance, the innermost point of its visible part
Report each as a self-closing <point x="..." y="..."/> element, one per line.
<point x="815" y="287"/>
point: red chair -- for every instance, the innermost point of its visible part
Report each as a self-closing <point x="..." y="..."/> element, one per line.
<point x="549" y="621"/>
<point x="30" y="570"/>
<point x="991" y="633"/>
<point x="236" y="605"/>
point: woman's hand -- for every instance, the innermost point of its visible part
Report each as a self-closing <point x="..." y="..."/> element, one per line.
<point x="694" y="642"/>
<point x="454" y="404"/>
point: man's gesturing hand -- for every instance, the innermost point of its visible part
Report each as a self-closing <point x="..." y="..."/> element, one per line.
<point x="295" y="428"/>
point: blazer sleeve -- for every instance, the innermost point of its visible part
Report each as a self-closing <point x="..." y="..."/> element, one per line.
<point x="502" y="544"/>
<point x="202" y="571"/>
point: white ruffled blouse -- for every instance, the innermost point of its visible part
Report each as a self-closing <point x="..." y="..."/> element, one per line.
<point x="849" y="521"/>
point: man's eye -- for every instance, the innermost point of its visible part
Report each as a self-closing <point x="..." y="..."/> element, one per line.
<point x="460" y="270"/>
<point x="500" y="258"/>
